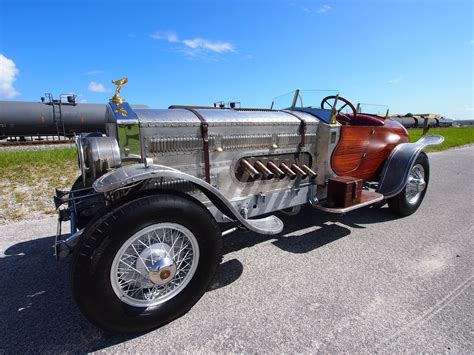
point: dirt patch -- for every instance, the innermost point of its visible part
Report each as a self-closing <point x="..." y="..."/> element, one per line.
<point x="26" y="191"/>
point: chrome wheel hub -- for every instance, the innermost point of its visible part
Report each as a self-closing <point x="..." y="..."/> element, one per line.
<point x="154" y="264"/>
<point x="416" y="184"/>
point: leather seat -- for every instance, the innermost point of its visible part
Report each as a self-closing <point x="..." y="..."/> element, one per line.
<point x="360" y="120"/>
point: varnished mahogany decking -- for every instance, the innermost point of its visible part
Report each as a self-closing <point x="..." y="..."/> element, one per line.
<point x="362" y="150"/>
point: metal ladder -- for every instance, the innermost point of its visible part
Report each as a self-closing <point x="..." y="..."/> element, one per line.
<point x="57" y="115"/>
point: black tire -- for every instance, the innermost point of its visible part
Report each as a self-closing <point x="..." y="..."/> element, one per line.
<point x="87" y="209"/>
<point x="399" y="204"/>
<point x="92" y="260"/>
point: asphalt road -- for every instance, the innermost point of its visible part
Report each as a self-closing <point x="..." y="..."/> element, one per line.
<point x="364" y="282"/>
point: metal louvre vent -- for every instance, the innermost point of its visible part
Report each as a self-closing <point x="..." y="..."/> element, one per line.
<point x="288" y="139"/>
<point x="294" y="139"/>
<point x="176" y="144"/>
<point x="175" y="184"/>
<point x="246" y="141"/>
<point x="164" y="145"/>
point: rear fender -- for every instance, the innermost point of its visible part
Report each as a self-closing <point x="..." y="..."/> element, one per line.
<point x="399" y="163"/>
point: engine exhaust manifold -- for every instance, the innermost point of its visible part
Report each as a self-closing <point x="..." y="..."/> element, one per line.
<point x="286" y="169"/>
<point x="275" y="170"/>
<point x="249" y="169"/>
<point x="266" y="173"/>
<point x="311" y="173"/>
<point x="299" y="171"/>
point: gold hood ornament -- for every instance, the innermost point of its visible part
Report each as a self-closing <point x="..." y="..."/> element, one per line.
<point x="116" y="98"/>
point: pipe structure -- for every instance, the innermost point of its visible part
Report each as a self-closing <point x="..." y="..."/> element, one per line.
<point x="311" y="173"/>
<point x="286" y="169"/>
<point x="275" y="170"/>
<point x="267" y="174"/>
<point x="298" y="171"/>
<point x="249" y="169"/>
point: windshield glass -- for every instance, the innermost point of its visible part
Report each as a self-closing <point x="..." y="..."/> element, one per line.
<point x="373" y="109"/>
<point x="305" y="98"/>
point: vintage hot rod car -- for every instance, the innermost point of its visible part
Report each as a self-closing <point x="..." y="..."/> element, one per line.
<point x="144" y="214"/>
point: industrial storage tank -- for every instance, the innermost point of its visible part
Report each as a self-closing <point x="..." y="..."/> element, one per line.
<point x="23" y="118"/>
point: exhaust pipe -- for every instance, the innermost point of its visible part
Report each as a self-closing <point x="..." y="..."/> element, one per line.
<point x="249" y="169"/>
<point x="267" y="174"/>
<point x="298" y="171"/>
<point x="311" y="173"/>
<point x="291" y="174"/>
<point x="275" y="170"/>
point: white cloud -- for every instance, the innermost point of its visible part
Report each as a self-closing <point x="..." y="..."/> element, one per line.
<point x="93" y="72"/>
<point x="98" y="87"/>
<point x="468" y="108"/>
<point x="305" y="9"/>
<point x="213" y="46"/>
<point x="395" y="81"/>
<point x="8" y="75"/>
<point x="324" y="8"/>
<point x="194" y="46"/>
<point x="169" y="36"/>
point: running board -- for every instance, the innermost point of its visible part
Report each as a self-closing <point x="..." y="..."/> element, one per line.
<point x="367" y="198"/>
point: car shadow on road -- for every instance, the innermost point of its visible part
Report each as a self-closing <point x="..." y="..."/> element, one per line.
<point x="38" y="313"/>
<point x="310" y="229"/>
<point x="305" y="232"/>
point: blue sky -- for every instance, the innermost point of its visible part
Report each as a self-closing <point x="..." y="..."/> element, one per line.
<point x="414" y="56"/>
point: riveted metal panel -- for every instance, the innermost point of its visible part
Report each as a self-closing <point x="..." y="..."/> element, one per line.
<point x="173" y="138"/>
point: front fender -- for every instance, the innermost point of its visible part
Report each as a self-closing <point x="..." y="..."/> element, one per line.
<point x="399" y="163"/>
<point x="131" y="174"/>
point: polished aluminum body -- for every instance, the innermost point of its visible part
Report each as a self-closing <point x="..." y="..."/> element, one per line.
<point x="173" y="138"/>
<point x="259" y="161"/>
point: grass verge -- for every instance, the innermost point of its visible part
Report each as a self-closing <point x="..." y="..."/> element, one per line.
<point x="453" y="137"/>
<point x="28" y="179"/>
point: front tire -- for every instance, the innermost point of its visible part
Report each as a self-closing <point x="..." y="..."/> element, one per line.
<point x="145" y="263"/>
<point x="412" y="195"/>
<point x="86" y="209"/>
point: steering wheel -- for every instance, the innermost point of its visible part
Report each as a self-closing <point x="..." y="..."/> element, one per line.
<point x="330" y="101"/>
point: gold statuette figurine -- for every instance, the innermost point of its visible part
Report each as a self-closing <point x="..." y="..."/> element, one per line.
<point x="116" y="98"/>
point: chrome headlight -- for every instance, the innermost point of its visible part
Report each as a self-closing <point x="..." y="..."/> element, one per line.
<point x="97" y="155"/>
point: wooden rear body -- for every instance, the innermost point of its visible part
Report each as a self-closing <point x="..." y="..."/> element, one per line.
<point x="362" y="150"/>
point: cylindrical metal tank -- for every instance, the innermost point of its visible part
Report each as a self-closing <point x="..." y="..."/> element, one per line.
<point x="22" y="118"/>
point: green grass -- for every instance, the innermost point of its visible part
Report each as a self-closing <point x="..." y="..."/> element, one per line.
<point x="28" y="179"/>
<point x="22" y="157"/>
<point x="453" y="137"/>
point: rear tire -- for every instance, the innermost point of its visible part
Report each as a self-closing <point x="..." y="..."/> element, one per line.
<point x="410" y="198"/>
<point x="126" y="292"/>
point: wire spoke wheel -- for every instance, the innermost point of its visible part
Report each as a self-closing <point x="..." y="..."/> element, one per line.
<point x="416" y="184"/>
<point x="154" y="264"/>
<point x="407" y="201"/>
